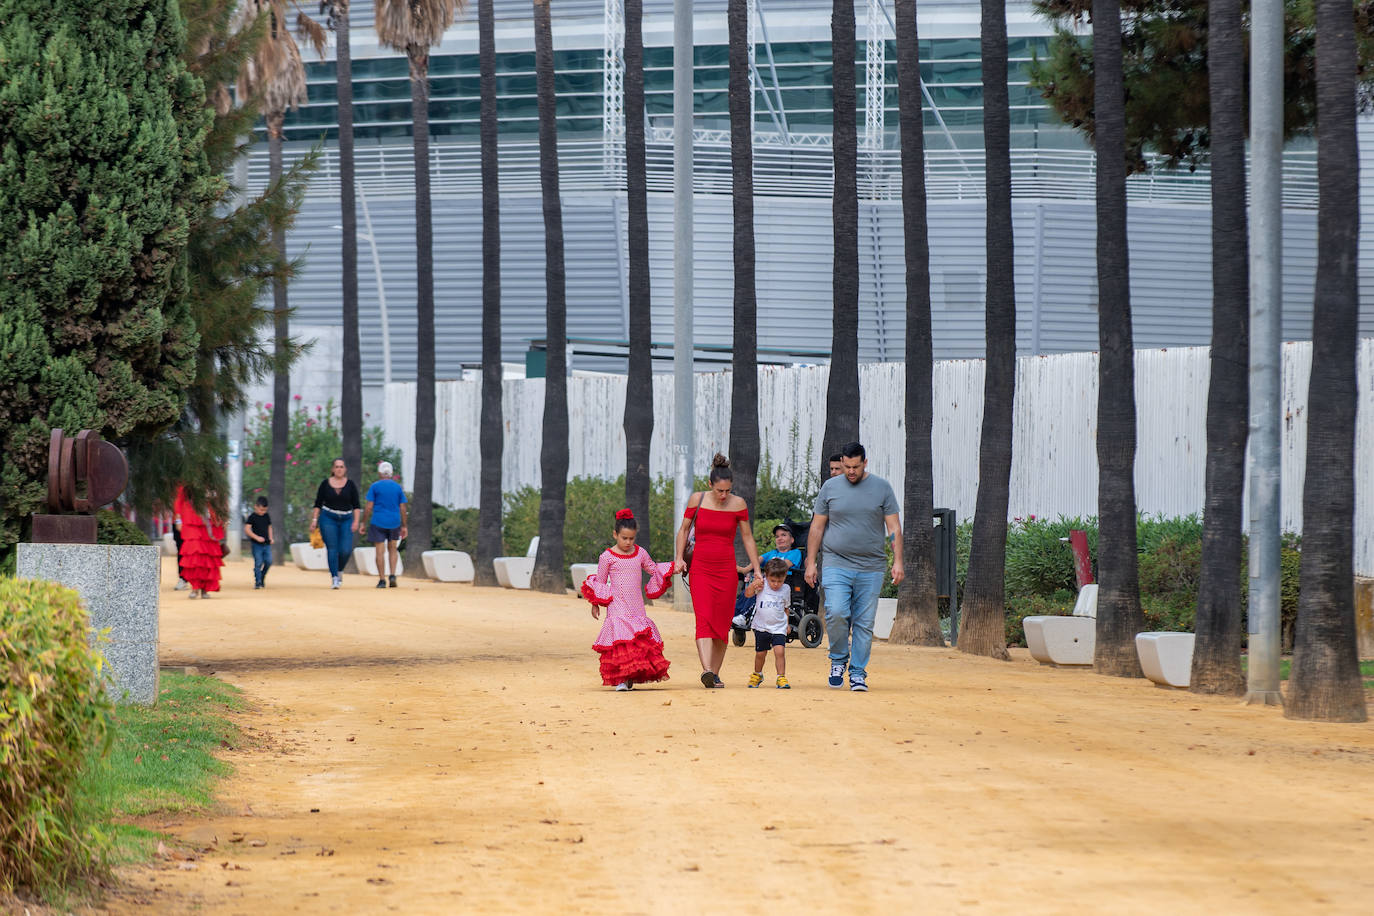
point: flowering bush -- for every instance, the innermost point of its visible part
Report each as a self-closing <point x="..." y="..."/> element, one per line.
<point x="312" y="444"/>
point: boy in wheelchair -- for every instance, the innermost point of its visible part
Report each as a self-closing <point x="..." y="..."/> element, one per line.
<point x="803" y="620"/>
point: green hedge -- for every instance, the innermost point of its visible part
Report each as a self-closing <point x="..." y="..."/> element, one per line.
<point x="113" y="528"/>
<point x="53" y="715"/>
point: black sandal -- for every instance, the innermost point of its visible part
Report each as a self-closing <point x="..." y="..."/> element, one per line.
<point x="708" y="679"/>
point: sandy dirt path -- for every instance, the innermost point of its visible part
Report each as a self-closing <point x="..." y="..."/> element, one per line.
<point x="439" y="748"/>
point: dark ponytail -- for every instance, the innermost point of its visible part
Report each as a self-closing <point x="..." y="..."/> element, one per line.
<point x="720" y="469"/>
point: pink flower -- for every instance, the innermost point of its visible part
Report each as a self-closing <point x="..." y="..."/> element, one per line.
<point x="309" y="422"/>
<point x="1031" y="517"/>
<point x="248" y="464"/>
<point x="293" y="462"/>
<point x="296" y="397"/>
<point x="267" y="407"/>
<point x="298" y="445"/>
<point x="288" y="457"/>
<point x="318" y="407"/>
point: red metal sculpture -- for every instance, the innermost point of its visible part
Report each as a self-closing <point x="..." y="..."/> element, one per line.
<point x="84" y="473"/>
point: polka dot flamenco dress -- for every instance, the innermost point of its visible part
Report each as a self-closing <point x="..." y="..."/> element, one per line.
<point x="629" y="644"/>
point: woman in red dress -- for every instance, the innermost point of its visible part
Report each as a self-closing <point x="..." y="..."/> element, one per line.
<point x="201" y="557"/>
<point x="717" y="515"/>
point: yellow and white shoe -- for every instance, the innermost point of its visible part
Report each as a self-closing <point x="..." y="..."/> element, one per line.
<point x="755" y="679"/>
<point x="782" y="683"/>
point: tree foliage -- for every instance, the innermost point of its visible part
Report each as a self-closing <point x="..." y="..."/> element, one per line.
<point x="103" y="173"/>
<point x="231" y="261"/>
<point x="1164" y="51"/>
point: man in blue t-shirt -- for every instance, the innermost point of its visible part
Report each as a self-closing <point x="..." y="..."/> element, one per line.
<point x="386" y="514"/>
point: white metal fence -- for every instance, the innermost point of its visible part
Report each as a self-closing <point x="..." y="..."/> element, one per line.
<point x="1054" y="468"/>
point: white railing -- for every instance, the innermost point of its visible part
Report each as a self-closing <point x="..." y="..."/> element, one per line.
<point x="1054" y="463"/>
<point x="798" y="169"/>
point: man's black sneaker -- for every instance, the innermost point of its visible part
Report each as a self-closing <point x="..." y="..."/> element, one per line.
<point x="381" y="583"/>
<point x="391" y="581"/>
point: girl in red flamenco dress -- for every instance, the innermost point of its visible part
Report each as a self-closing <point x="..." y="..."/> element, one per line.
<point x="201" y="556"/>
<point x="630" y="646"/>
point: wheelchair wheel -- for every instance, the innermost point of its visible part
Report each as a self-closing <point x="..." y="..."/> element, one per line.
<point x="810" y="631"/>
<point x="737" y="636"/>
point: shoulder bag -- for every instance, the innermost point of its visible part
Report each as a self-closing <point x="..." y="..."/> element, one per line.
<point x="691" y="540"/>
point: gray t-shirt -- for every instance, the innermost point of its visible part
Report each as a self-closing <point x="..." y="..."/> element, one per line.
<point x="855" y="536"/>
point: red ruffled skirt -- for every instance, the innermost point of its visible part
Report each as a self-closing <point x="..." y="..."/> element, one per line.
<point x="201" y="559"/>
<point x="639" y="660"/>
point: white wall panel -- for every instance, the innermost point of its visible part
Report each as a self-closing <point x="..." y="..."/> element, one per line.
<point x="1054" y="465"/>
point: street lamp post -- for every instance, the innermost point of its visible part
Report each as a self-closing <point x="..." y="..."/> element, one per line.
<point x="381" y="290"/>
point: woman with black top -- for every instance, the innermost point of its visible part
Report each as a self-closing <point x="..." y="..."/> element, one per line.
<point x="337" y="514"/>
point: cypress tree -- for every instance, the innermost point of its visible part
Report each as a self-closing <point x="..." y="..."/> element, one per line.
<point x="102" y="171"/>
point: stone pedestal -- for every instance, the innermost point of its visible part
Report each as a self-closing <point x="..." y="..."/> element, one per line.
<point x="119" y="586"/>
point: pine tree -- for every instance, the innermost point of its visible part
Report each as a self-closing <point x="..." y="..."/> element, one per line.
<point x="103" y="172"/>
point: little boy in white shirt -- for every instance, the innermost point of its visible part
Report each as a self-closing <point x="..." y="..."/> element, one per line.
<point x="770" y="620"/>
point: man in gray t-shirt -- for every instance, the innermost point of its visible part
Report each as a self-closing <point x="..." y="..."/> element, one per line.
<point x="853" y="517"/>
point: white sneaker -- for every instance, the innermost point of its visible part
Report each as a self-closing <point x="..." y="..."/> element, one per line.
<point x="623" y="685"/>
<point x="181" y="585"/>
<point x="738" y="622"/>
<point x="336" y="582"/>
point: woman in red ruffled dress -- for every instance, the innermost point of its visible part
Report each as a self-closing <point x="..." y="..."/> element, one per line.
<point x="201" y="556"/>
<point x="630" y="646"/>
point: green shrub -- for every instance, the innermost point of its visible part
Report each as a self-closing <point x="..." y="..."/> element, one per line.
<point x="1019" y="607"/>
<point x="1038" y="562"/>
<point x="1169" y="576"/>
<point x="113" y="528"/>
<point x="53" y="714"/>
<point x="313" y="442"/>
<point x="455" y="529"/>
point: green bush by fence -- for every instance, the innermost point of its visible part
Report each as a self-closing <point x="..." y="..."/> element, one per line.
<point x="312" y="445"/>
<point x="53" y="714"/>
<point x="113" y="528"/>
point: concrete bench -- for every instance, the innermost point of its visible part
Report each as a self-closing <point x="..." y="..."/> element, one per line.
<point x="1065" y="640"/>
<point x="365" y="558"/>
<point x="307" y="557"/>
<point x="1166" y="658"/>
<point x="886" y="616"/>
<point x="448" y="565"/>
<point x="515" y="572"/>
<point x="580" y="571"/>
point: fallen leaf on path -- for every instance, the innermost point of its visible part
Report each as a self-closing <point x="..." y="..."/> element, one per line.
<point x="378" y="881"/>
<point x="186" y="866"/>
<point x="258" y="843"/>
<point x="237" y="838"/>
<point x="325" y="851"/>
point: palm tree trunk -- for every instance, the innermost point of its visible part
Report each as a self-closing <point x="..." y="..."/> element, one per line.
<point x="491" y="435"/>
<point x="842" y="392"/>
<point x="918" y="612"/>
<point x="1119" y="616"/>
<point x="1216" y="651"/>
<point x="983" y="626"/>
<point x="351" y="397"/>
<point x="744" y="391"/>
<point x="549" y="575"/>
<point x="639" y="391"/>
<point x="281" y="372"/>
<point x="421" y="519"/>
<point x="1325" y="682"/>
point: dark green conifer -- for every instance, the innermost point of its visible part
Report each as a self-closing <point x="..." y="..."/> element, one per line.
<point x="102" y="174"/>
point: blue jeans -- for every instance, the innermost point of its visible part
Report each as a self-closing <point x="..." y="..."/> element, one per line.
<point x="851" y="604"/>
<point x="337" y="531"/>
<point x="262" y="559"/>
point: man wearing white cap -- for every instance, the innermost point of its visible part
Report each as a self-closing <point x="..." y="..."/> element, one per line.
<point x="386" y="514"/>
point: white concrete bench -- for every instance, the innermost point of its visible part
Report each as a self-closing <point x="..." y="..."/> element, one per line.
<point x="365" y="558"/>
<point x="1166" y="658"/>
<point x="580" y="571"/>
<point x="886" y="616"/>
<point x="448" y="565"/>
<point x="307" y="557"/>
<point x="1065" y="640"/>
<point x="515" y="572"/>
